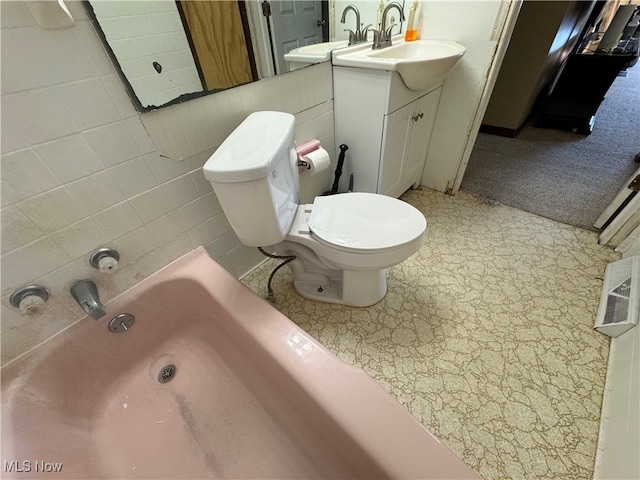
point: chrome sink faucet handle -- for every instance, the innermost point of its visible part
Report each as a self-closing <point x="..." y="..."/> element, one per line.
<point x="363" y="34"/>
<point x="352" y="36"/>
<point x="382" y="38"/>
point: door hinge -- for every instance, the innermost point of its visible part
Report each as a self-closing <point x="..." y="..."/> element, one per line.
<point x="635" y="184"/>
<point x="266" y="8"/>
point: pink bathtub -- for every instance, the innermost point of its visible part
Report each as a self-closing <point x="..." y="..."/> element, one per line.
<point x="250" y="395"/>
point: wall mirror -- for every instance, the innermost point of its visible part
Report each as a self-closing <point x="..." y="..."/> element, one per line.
<point x="170" y="51"/>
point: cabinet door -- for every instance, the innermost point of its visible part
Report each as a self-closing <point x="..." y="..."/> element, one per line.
<point x="405" y="141"/>
<point x="422" y="124"/>
<point x="395" y="140"/>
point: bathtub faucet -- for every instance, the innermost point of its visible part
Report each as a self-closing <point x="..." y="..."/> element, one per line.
<point x="85" y="293"/>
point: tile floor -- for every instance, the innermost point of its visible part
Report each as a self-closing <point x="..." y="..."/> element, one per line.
<point x="485" y="335"/>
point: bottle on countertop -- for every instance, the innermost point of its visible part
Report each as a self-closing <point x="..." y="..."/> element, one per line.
<point x="411" y="33"/>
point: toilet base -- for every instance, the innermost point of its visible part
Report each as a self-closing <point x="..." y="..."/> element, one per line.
<point x="356" y="288"/>
<point x="317" y="279"/>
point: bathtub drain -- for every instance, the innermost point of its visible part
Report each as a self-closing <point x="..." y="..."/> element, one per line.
<point x="167" y="373"/>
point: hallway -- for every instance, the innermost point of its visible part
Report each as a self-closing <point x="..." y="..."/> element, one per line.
<point x="560" y="175"/>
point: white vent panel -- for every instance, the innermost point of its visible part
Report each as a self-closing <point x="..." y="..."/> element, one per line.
<point x="620" y="300"/>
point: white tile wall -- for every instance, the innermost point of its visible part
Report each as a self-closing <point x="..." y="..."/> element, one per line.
<point x="81" y="169"/>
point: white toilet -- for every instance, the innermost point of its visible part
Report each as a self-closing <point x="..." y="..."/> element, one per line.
<point x="342" y="243"/>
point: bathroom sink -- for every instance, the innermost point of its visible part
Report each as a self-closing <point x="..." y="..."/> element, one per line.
<point x="312" y="54"/>
<point x="420" y="63"/>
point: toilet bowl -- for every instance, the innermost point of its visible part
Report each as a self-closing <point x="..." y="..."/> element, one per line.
<point x="342" y="243"/>
<point x="345" y="242"/>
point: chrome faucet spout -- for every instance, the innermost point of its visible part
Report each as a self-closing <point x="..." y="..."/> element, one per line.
<point x="85" y="293"/>
<point x="355" y="10"/>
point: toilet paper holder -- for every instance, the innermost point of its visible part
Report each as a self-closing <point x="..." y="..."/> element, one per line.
<point x="304" y="149"/>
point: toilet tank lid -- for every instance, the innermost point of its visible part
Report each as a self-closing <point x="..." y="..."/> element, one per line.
<point x="253" y="149"/>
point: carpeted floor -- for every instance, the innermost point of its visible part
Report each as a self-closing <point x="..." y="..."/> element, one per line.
<point x="560" y="175"/>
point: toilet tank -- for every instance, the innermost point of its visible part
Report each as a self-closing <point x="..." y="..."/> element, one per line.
<point x="254" y="174"/>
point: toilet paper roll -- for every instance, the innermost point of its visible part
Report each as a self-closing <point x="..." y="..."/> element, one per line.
<point x="318" y="161"/>
<point x="107" y="264"/>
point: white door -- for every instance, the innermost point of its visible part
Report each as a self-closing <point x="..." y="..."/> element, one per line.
<point x="396" y="135"/>
<point x="405" y="141"/>
<point x="422" y="118"/>
<point x="622" y="197"/>
<point x="294" y="23"/>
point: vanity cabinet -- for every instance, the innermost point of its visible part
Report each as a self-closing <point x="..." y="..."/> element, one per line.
<point x="386" y="126"/>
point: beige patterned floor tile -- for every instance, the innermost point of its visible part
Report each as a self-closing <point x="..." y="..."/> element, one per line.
<point x="485" y="335"/>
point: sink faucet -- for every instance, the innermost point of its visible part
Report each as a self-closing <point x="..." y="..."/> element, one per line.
<point x="359" y="35"/>
<point x="85" y="293"/>
<point x="382" y="37"/>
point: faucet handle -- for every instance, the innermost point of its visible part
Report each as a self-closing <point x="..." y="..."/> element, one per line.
<point x="388" y="30"/>
<point x="364" y="33"/>
<point x="352" y="36"/>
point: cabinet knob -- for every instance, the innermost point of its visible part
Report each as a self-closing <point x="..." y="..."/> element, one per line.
<point x="418" y="117"/>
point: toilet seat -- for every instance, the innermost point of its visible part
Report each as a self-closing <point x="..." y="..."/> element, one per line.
<point x="365" y="222"/>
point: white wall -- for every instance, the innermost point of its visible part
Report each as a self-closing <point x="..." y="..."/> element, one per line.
<point x="478" y="25"/>
<point x="81" y="169"/>
<point x="619" y="437"/>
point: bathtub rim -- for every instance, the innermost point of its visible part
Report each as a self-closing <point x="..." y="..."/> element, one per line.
<point x="396" y="441"/>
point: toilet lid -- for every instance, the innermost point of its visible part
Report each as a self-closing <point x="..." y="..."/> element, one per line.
<point x="365" y="221"/>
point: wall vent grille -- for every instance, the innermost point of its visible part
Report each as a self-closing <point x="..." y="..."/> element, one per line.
<point x="620" y="301"/>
